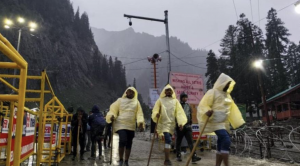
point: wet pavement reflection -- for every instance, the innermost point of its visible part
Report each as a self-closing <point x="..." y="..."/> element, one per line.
<point x="140" y="152"/>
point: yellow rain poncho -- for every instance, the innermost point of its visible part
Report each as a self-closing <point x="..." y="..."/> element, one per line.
<point x="170" y="109"/>
<point x="127" y="112"/>
<point x="225" y="110"/>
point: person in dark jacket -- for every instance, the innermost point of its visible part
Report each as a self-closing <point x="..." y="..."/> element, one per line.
<point x="97" y="124"/>
<point x="187" y="129"/>
<point x="79" y="120"/>
<point x="88" y="135"/>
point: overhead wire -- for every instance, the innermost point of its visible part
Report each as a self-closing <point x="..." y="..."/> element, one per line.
<point x="187" y="62"/>
<point x="140" y="59"/>
<point x="236" y="14"/>
<point x="237" y="17"/>
<point x="258" y="13"/>
<point x="251" y="9"/>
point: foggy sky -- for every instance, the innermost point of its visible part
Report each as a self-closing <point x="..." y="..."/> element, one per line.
<point x="197" y="22"/>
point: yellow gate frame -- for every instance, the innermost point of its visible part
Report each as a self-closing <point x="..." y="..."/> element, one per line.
<point x="19" y="100"/>
<point x="17" y="63"/>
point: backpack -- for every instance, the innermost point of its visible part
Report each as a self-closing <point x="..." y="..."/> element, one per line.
<point x="98" y="125"/>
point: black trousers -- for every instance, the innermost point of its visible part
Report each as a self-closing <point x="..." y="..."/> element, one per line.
<point x="81" y="143"/>
<point x="187" y="133"/>
<point x="107" y="136"/>
<point x="96" y="139"/>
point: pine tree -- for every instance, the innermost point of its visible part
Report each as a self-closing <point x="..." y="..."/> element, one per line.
<point x="212" y="69"/>
<point x="292" y="63"/>
<point x="276" y="41"/>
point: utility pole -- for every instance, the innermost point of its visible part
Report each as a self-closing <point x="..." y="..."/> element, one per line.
<point x="166" y="22"/>
<point x="153" y="60"/>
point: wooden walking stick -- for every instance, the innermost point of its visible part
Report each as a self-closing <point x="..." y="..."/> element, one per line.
<point x="112" y="140"/>
<point x="197" y="142"/>
<point x="153" y="140"/>
<point x="77" y="156"/>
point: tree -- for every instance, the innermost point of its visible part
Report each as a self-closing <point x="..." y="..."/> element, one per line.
<point x="292" y="63"/>
<point x="212" y="69"/>
<point x="276" y="43"/>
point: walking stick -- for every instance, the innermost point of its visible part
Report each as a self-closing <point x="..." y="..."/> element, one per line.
<point x="77" y="156"/>
<point x="112" y="139"/>
<point x="153" y="140"/>
<point x="197" y="142"/>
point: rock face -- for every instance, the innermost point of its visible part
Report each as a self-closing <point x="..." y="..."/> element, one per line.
<point x="63" y="45"/>
<point x="134" y="48"/>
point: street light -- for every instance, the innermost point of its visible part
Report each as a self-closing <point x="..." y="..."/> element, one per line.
<point x="165" y="21"/>
<point x="259" y="65"/>
<point x="297" y="7"/>
<point x="20" y="25"/>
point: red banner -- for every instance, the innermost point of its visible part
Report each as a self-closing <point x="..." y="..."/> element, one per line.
<point x="4" y="132"/>
<point x="27" y="145"/>
<point x="191" y="84"/>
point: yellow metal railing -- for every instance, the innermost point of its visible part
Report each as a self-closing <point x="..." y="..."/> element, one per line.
<point x="53" y="109"/>
<point x="17" y="63"/>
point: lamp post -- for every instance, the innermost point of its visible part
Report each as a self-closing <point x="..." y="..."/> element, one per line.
<point x="258" y="64"/>
<point x="297" y="7"/>
<point x="153" y="60"/>
<point x="20" y="25"/>
<point x="165" y="21"/>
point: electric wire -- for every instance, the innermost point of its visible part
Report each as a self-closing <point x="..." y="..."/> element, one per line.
<point x="237" y="17"/>
<point x="251" y="9"/>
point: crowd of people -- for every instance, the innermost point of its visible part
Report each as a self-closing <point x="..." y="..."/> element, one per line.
<point x="216" y="109"/>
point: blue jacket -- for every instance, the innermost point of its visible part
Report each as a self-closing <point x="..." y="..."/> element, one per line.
<point x="96" y="119"/>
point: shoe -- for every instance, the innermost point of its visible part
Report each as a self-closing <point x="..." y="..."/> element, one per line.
<point x="73" y="158"/>
<point x="82" y="158"/>
<point x="178" y="157"/>
<point x="126" y="163"/>
<point x="195" y="158"/>
<point x="167" y="162"/>
<point x="105" y="147"/>
<point x="92" y="158"/>
<point x="88" y="150"/>
<point x="121" y="163"/>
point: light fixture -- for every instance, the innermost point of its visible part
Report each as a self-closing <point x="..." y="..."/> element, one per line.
<point x="31" y="29"/>
<point x="258" y="64"/>
<point x="32" y="25"/>
<point x="6" y="27"/>
<point x="297" y="7"/>
<point x="21" y="20"/>
<point x="8" y="22"/>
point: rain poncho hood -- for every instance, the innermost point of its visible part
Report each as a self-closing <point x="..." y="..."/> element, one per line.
<point x="127" y="112"/>
<point x="95" y="109"/>
<point x="170" y="111"/>
<point x="225" y="110"/>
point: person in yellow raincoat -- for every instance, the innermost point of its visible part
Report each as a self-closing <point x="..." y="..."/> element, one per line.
<point x="219" y="107"/>
<point x="126" y="112"/>
<point x="168" y="111"/>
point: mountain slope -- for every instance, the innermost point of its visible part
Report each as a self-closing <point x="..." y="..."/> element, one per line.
<point x="63" y="45"/>
<point x="133" y="48"/>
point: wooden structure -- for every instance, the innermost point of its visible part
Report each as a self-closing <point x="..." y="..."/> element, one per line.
<point x="284" y="105"/>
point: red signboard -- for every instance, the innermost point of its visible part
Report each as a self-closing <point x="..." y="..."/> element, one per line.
<point x="63" y="133"/>
<point x="191" y="84"/>
<point x="4" y="132"/>
<point x="195" y="130"/>
<point x="27" y="145"/>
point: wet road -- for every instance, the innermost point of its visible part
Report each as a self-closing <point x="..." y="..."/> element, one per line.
<point x="140" y="152"/>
